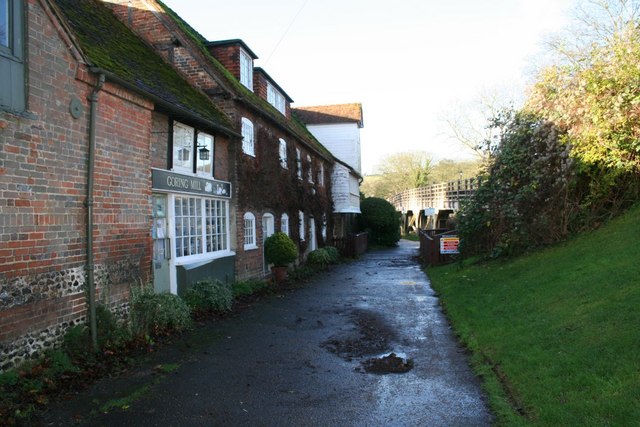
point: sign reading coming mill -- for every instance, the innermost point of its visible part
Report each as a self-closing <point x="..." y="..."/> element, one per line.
<point x="177" y="183"/>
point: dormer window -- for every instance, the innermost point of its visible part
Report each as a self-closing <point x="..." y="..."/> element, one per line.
<point x="246" y="70"/>
<point x="275" y="98"/>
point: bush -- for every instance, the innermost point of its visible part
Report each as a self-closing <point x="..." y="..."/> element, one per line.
<point x="381" y="220"/>
<point x="209" y="296"/>
<point x="319" y="257"/>
<point x="153" y="314"/>
<point x="279" y="249"/>
<point x="248" y="287"/>
<point x="333" y="252"/>
<point x="112" y="333"/>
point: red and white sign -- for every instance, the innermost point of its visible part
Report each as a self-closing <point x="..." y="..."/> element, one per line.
<point x="449" y="244"/>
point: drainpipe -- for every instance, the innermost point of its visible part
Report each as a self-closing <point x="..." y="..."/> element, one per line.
<point x="93" y="99"/>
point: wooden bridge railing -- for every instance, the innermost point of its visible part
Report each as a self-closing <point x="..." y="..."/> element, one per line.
<point x="446" y="195"/>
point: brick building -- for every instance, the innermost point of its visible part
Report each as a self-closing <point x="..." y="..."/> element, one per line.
<point x="282" y="176"/>
<point x="80" y="131"/>
<point x="132" y="150"/>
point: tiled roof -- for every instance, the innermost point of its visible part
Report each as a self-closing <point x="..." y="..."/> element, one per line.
<point x="111" y="46"/>
<point x="327" y="114"/>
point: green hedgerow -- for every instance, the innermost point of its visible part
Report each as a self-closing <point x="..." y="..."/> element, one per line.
<point x="153" y="314"/>
<point x="209" y="296"/>
<point x="380" y="218"/>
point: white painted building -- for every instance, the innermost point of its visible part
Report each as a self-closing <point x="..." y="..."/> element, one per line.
<point x="337" y="127"/>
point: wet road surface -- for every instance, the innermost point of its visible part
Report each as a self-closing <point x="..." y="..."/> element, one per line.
<point x="300" y="359"/>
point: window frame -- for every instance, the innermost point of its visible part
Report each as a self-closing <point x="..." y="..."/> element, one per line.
<point x="284" y="223"/>
<point x="250" y="234"/>
<point x="310" y="170"/>
<point x="246" y="70"/>
<point x="282" y="153"/>
<point x="179" y="148"/>
<point x="321" y="175"/>
<point x="208" y="142"/>
<point x="301" y="225"/>
<point x="6" y="39"/>
<point x="299" y="163"/>
<point x="276" y="98"/>
<point x="193" y="165"/>
<point x="212" y="228"/>
<point x="13" y="91"/>
<point x="248" y="144"/>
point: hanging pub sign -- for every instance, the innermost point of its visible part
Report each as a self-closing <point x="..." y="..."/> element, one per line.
<point x="162" y="180"/>
<point x="449" y="244"/>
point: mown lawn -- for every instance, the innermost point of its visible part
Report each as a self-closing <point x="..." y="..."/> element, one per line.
<point x="556" y="334"/>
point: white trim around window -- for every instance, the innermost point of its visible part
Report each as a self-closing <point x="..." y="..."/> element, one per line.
<point x="282" y="153"/>
<point x="200" y="228"/>
<point x="248" y="137"/>
<point x="246" y="70"/>
<point x="275" y="98"/>
<point x="301" y="225"/>
<point x="250" y="231"/>
<point x="310" y="170"/>
<point x="183" y="150"/>
<point x="284" y="223"/>
<point x="299" y="163"/>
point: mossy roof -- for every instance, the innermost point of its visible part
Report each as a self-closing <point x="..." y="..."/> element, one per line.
<point x="294" y="125"/>
<point x="110" y="45"/>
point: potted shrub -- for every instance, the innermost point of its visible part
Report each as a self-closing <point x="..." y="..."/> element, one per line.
<point x="280" y="251"/>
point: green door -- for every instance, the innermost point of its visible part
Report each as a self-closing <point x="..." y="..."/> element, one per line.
<point x="161" y="247"/>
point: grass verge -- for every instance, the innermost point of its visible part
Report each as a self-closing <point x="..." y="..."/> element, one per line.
<point x="555" y="334"/>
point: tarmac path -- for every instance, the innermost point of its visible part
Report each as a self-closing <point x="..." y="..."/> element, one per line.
<point x="300" y="359"/>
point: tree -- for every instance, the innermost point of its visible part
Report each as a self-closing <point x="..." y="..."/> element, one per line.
<point x="401" y="171"/>
<point x="450" y="170"/>
<point x="594" y="94"/>
<point x="467" y="123"/>
<point x="381" y="220"/>
<point x="524" y="201"/>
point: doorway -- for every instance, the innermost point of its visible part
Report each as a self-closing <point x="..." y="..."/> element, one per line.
<point x="268" y="228"/>
<point x="161" y="248"/>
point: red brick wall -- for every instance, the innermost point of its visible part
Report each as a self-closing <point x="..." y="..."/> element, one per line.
<point x="229" y="57"/>
<point x="159" y="141"/>
<point x="260" y="85"/>
<point x="43" y="183"/>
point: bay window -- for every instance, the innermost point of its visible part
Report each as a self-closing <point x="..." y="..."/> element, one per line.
<point x="201" y="226"/>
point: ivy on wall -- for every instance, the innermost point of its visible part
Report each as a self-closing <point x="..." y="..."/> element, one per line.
<point x="266" y="186"/>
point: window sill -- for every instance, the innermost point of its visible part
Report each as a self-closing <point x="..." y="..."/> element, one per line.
<point x="250" y="247"/>
<point x="203" y="257"/>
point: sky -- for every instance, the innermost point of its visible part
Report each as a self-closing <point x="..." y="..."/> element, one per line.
<point x="410" y="63"/>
